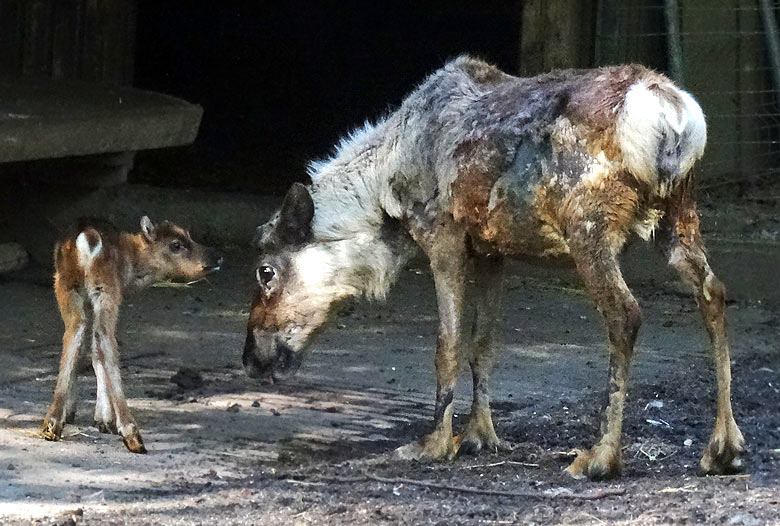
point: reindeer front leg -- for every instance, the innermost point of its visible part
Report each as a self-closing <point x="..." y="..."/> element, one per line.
<point x="487" y="290"/>
<point x="599" y="269"/>
<point x="688" y="256"/>
<point x="447" y="253"/>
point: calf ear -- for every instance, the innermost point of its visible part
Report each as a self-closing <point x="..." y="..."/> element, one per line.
<point x="148" y="229"/>
<point x="294" y="225"/>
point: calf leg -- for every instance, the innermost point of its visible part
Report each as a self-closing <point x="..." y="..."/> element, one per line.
<point x="105" y="418"/>
<point x="106" y="357"/>
<point x="601" y="273"/>
<point x="687" y="255"/>
<point x="488" y="287"/>
<point x="63" y="407"/>
<point x="447" y="252"/>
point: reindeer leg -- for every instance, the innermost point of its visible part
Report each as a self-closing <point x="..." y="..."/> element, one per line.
<point x="688" y="256"/>
<point x="447" y="252"/>
<point x="599" y="269"/>
<point x="106" y="356"/>
<point x="105" y="418"/>
<point x="487" y="289"/>
<point x="63" y="407"/>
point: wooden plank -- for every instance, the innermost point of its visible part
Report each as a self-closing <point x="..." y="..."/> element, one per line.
<point x="711" y="72"/>
<point x="118" y="23"/>
<point x="36" y="51"/>
<point x="10" y="37"/>
<point x="66" y="39"/>
<point x="130" y="26"/>
<point x="556" y="34"/>
<point x="92" y="42"/>
<point x="607" y="50"/>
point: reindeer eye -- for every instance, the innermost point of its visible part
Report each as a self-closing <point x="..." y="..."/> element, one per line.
<point x="265" y="274"/>
<point x="175" y="246"/>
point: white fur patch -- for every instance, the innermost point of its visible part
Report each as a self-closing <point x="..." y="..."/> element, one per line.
<point x="645" y="119"/>
<point x="646" y="226"/>
<point x="85" y="252"/>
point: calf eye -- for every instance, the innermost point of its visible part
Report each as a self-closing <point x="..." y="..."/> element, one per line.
<point x="175" y="246"/>
<point x="265" y="274"/>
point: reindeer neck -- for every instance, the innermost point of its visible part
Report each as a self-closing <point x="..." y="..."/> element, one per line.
<point x="349" y="193"/>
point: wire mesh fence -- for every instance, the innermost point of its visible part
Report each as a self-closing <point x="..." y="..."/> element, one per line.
<point x="726" y="53"/>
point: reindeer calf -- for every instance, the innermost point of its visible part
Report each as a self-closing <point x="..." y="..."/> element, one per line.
<point x="94" y="265"/>
<point x="477" y="166"/>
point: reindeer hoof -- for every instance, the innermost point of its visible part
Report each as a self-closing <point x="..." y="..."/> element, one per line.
<point x="134" y="443"/>
<point x="602" y="462"/>
<point x="432" y="447"/>
<point x="52" y="429"/>
<point x="724" y="451"/>
<point x="472" y="444"/>
<point x="723" y="455"/>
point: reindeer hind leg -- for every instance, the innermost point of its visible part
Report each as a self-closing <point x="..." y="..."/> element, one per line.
<point x="726" y="445"/>
<point x="601" y="274"/>
<point x="63" y="407"/>
<point x="106" y="358"/>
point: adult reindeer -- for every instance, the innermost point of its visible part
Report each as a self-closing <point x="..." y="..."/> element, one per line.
<point x="476" y="166"/>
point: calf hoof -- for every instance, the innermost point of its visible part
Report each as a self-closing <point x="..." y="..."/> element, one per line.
<point x="602" y="462"/>
<point x="134" y="443"/>
<point x="723" y="455"/>
<point x="52" y="429"/>
<point x="106" y="427"/>
<point x="435" y="446"/>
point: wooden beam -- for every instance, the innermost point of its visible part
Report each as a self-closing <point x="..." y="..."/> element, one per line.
<point x="556" y="34"/>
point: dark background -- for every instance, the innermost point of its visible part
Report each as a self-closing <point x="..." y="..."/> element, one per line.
<point x="280" y="82"/>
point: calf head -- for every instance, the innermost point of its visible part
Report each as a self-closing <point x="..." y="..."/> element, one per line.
<point x="296" y="286"/>
<point x="168" y="252"/>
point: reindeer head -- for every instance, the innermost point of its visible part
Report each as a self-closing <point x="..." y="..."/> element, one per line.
<point x="168" y="252"/>
<point x="297" y="282"/>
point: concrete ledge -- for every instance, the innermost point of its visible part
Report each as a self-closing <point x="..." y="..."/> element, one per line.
<point x="42" y="119"/>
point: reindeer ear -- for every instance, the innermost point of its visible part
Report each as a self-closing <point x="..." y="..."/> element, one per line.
<point x="148" y="229"/>
<point x="294" y="225"/>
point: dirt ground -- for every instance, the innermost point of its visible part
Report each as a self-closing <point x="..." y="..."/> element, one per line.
<point x="224" y="449"/>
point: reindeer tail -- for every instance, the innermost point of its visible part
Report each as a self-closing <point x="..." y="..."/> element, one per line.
<point x="661" y="132"/>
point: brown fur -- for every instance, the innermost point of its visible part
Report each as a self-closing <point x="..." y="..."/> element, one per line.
<point x="89" y="291"/>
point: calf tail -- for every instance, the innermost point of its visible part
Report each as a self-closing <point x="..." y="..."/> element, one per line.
<point x="88" y="244"/>
<point x="661" y="132"/>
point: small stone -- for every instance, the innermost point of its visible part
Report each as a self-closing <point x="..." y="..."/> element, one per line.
<point x="256" y="403"/>
<point x="688" y="442"/>
<point x="11" y="467"/>
<point x="233" y="407"/>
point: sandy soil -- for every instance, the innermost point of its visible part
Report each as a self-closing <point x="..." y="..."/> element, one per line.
<point x="228" y="450"/>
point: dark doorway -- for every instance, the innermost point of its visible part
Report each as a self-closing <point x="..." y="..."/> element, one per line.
<point x="280" y="82"/>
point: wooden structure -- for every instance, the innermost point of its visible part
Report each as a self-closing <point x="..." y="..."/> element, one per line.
<point x="65" y="71"/>
<point x="89" y="40"/>
<point x="716" y="49"/>
<point x="66" y="67"/>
